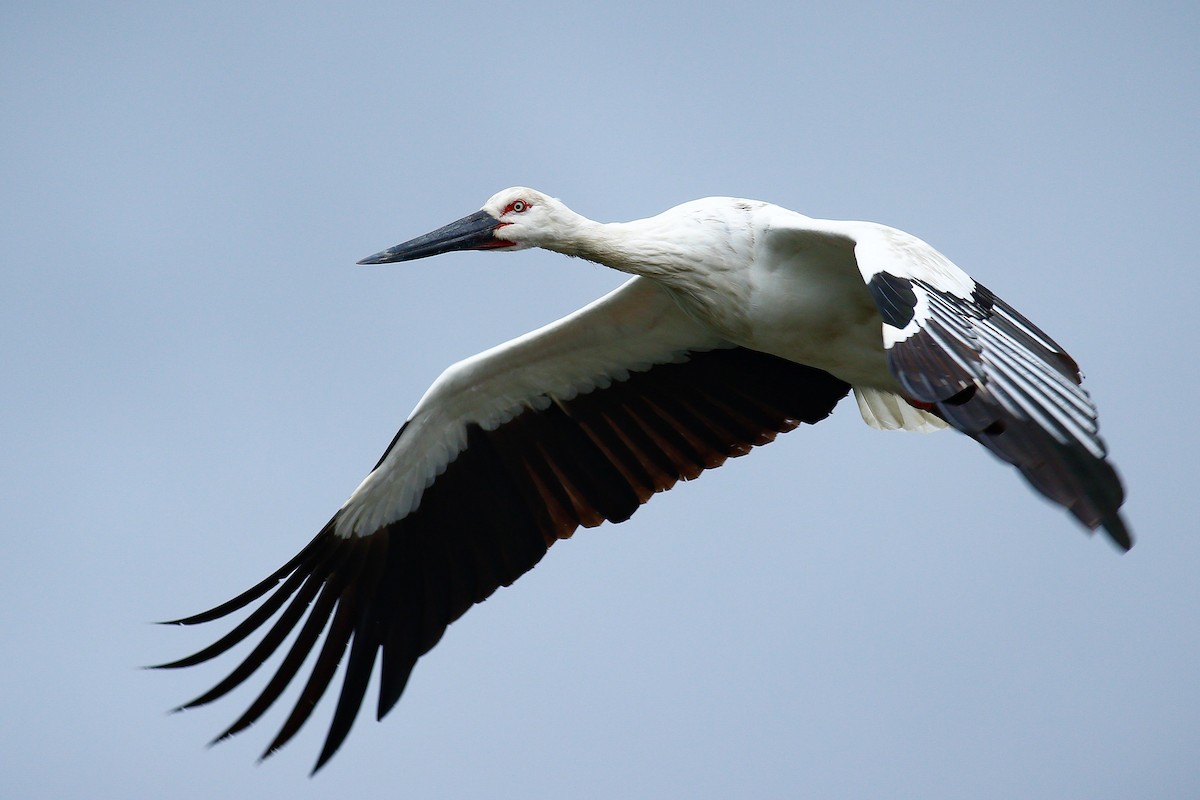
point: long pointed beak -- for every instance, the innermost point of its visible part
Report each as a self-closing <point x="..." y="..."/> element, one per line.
<point x="473" y="232"/>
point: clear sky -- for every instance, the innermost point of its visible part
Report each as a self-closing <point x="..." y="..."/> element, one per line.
<point x="196" y="375"/>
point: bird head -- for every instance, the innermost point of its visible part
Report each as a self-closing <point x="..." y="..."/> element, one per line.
<point x="513" y="219"/>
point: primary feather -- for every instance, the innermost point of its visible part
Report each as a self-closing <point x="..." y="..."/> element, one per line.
<point x="743" y="321"/>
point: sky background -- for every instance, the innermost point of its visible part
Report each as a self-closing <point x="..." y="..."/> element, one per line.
<point x="196" y="375"/>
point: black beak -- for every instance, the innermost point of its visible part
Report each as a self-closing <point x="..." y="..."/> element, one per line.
<point x="473" y="232"/>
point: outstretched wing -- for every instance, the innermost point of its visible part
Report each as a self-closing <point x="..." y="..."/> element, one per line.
<point x="574" y="424"/>
<point x="992" y="374"/>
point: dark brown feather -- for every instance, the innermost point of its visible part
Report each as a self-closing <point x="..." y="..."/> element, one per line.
<point x="959" y="372"/>
<point x="491" y="516"/>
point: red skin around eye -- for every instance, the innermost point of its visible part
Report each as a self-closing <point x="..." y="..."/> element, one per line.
<point x="498" y="242"/>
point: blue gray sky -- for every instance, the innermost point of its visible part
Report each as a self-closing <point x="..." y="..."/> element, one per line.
<point x="197" y="375"/>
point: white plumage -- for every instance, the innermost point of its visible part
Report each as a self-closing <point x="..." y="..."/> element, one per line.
<point x="630" y="329"/>
<point x="742" y="320"/>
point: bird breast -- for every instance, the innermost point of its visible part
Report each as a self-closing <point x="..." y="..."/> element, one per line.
<point x="806" y="304"/>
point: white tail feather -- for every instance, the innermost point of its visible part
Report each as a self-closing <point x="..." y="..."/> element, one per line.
<point x="889" y="412"/>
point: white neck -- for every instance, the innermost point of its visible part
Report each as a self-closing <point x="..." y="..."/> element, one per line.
<point x="634" y="247"/>
<point x="715" y="291"/>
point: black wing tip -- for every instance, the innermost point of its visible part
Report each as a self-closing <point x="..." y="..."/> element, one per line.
<point x="363" y="577"/>
<point x="322" y="760"/>
<point x="326" y="753"/>
<point x="192" y="620"/>
<point x="183" y="662"/>
<point x="1116" y="529"/>
<point x="276" y="746"/>
<point x="270" y="751"/>
<point x="222" y="737"/>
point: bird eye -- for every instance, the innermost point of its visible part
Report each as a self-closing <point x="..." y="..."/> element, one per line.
<point x="518" y="206"/>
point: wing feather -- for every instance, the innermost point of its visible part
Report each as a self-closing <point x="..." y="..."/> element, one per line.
<point x="641" y="410"/>
<point x="988" y="371"/>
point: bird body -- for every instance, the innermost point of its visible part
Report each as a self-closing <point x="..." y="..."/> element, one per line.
<point x="794" y="299"/>
<point x="743" y="320"/>
<point x="758" y="275"/>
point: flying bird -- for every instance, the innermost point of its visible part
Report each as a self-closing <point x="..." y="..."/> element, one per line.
<point x="742" y="320"/>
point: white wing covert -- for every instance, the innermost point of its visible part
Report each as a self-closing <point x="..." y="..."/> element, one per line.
<point x="973" y="360"/>
<point x="509" y="451"/>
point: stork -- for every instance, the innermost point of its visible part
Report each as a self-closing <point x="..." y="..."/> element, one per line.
<point x="742" y="320"/>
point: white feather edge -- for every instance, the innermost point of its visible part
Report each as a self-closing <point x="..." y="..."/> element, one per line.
<point x="1054" y="402"/>
<point x="628" y="330"/>
<point x="880" y="248"/>
<point x="889" y="412"/>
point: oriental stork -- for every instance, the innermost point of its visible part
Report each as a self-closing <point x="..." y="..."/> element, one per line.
<point x="741" y="321"/>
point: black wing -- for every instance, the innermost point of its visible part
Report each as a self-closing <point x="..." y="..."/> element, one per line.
<point x="992" y="374"/>
<point x="491" y="516"/>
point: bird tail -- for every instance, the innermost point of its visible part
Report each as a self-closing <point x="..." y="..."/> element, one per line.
<point x="891" y="412"/>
